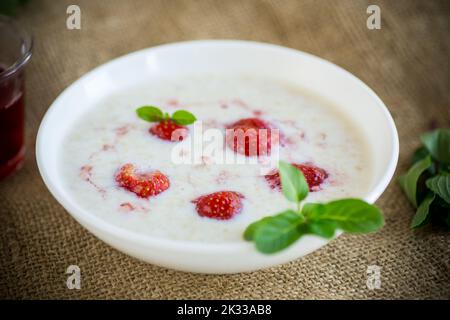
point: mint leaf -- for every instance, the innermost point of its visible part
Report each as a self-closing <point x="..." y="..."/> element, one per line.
<point x="350" y="215"/>
<point x="438" y="144"/>
<point x="311" y="209"/>
<point x="278" y="232"/>
<point x="150" y="113"/>
<point x="419" y="154"/>
<point x="409" y="181"/>
<point x="422" y="211"/>
<point x="293" y="183"/>
<point x="250" y="230"/>
<point x="325" y="228"/>
<point x="440" y="185"/>
<point x="183" y="117"/>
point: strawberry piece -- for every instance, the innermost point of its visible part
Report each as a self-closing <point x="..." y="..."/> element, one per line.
<point x="222" y="205"/>
<point x="165" y="130"/>
<point x="144" y="185"/>
<point x="314" y="177"/>
<point x="250" y="136"/>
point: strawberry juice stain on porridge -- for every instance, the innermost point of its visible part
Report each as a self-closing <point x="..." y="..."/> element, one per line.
<point x="121" y="168"/>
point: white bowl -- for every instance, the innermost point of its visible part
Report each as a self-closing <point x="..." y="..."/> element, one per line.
<point x="199" y="57"/>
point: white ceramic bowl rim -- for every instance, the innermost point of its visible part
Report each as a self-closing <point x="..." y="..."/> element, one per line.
<point x="195" y="246"/>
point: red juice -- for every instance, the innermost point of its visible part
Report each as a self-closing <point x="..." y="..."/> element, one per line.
<point x="12" y="118"/>
<point x="15" y="52"/>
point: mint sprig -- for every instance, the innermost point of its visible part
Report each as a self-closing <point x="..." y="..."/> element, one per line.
<point x="275" y="233"/>
<point x="427" y="182"/>
<point x="154" y="114"/>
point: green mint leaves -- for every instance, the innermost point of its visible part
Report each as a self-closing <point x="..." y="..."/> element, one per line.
<point x="183" y="117"/>
<point x="150" y="114"/>
<point x="409" y="181"/>
<point x="438" y="144"/>
<point x="440" y="185"/>
<point x="427" y="182"/>
<point x="154" y="114"/>
<point x="349" y="215"/>
<point x="293" y="183"/>
<point x="275" y="233"/>
<point x="420" y="218"/>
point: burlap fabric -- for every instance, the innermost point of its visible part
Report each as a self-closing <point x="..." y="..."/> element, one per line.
<point x="406" y="63"/>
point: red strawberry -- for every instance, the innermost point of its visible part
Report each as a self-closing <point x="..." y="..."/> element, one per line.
<point x="165" y="130"/>
<point x="250" y="136"/>
<point x="222" y="205"/>
<point x="313" y="175"/>
<point x="144" y="185"/>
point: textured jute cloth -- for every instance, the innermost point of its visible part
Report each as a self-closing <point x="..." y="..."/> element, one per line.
<point x="406" y="63"/>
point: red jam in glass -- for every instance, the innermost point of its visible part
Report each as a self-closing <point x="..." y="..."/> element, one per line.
<point x="12" y="117"/>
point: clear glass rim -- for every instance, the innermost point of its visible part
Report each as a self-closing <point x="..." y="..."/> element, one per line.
<point x="27" y="46"/>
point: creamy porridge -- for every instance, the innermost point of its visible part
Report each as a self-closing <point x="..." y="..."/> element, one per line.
<point x="111" y="135"/>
